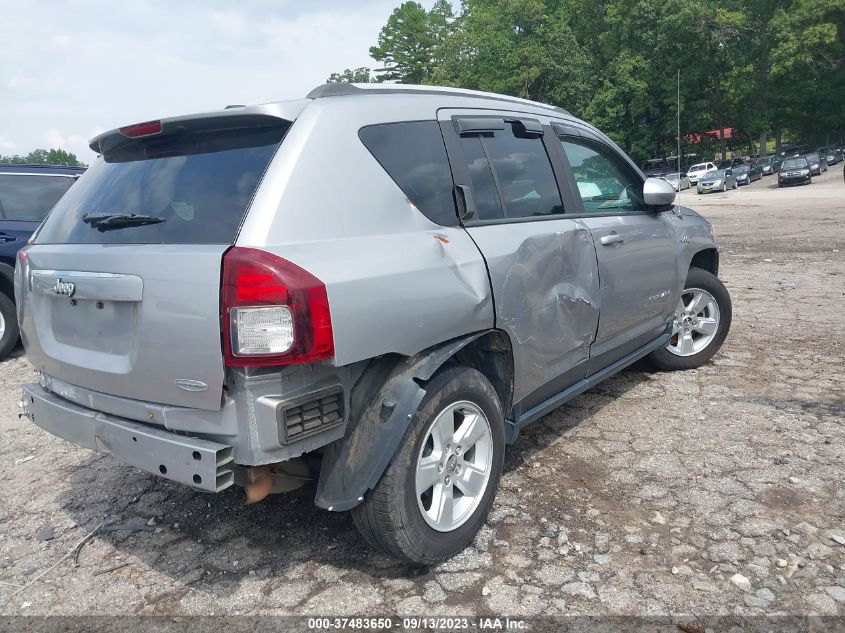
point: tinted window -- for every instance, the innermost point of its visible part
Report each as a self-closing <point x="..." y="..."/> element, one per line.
<point x="604" y="180"/>
<point x="413" y="155"/>
<point x="30" y="197"/>
<point x="484" y="193"/>
<point x="522" y="175"/>
<point x="194" y="187"/>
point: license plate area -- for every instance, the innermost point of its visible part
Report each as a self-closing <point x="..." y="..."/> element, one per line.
<point x="97" y="326"/>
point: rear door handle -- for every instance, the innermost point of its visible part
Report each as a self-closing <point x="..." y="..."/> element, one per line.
<point x="613" y="238"/>
<point x="5" y="237"/>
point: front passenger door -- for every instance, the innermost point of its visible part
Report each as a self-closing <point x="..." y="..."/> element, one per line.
<point x="636" y="249"/>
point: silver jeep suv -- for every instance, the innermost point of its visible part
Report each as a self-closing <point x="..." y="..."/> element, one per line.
<point x="375" y="287"/>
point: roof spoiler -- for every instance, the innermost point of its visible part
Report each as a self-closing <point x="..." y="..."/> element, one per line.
<point x="210" y="122"/>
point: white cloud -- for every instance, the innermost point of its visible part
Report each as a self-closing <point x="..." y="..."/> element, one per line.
<point x="6" y="144"/>
<point x="103" y="65"/>
<point x="74" y="143"/>
<point x="230" y="23"/>
<point x="61" y="42"/>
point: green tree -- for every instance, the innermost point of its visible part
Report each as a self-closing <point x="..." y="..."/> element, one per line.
<point x="361" y="75"/>
<point x="759" y="66"/>
<point x="525" y="48"/>
<point x="410" y="44"/>
<point x="44" y="157"/>
<point x="808" y="68"/>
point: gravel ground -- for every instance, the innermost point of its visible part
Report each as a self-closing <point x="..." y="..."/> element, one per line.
<point x="715" y="491"/>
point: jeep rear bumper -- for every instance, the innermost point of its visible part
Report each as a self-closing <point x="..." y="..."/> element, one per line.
<point x="198" y="463"/>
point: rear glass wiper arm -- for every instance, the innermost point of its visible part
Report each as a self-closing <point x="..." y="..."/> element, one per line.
<point x="109" y="221"/>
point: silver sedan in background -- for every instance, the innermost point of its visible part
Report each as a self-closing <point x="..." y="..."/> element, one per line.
<point x="720" y="180"/>
<point x="678" y="181"/>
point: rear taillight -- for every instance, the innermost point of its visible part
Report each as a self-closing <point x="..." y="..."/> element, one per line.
<point x="146" y="128"/>
<point x="273" y="311"/>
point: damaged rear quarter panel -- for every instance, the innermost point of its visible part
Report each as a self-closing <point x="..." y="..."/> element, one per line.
<point x="401" y="293"/>
<point x="396" y="281"/>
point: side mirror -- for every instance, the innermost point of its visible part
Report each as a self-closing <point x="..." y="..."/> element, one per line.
<point x="729" y="172"/>
<point x="658" y="193"/>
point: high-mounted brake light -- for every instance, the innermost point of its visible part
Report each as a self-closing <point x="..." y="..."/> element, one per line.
<point x="141" y="129"/>
<point x="273" y="311"/>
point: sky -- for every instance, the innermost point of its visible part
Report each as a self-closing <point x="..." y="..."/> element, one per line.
<point x="70" y="70"/>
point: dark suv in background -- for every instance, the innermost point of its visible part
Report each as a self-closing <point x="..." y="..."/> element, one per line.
<point x="27" y="193"/>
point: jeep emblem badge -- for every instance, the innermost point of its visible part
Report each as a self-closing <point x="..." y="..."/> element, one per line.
<point x="65" y="288"/>
<point x="191" y="385"/>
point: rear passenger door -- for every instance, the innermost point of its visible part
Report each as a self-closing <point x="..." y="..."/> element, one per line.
<point x="542" y="265"/>
<point x="636" y="246"/>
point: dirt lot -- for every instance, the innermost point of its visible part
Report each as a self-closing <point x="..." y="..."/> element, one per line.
<point x="716" y="491"/>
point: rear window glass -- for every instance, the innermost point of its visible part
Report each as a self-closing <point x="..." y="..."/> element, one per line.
<point x="413" y="154"/>
<point x="191" y="188"/>
<point x="30" y="196"/>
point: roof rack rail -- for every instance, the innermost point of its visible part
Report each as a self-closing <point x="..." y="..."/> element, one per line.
<point x="349" y="89"/>
<point x="42" y="166"/>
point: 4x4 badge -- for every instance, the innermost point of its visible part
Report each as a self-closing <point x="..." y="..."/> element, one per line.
<point x="191" y="385"/>
<point x="65" y="288"/>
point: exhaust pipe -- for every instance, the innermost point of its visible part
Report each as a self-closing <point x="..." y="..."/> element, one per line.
<point x="261" y="484"/>
<point x="260" y="481"/>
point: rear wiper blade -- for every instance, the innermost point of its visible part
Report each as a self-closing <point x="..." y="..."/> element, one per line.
<point x="109" y="221"/>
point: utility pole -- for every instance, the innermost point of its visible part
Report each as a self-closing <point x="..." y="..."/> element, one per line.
<point x="679" y="128"/>
<point x="719" y="103"/>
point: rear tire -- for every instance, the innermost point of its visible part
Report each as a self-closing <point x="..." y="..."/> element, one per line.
<point x="393" y="516"/>
<point x="8" y="326"/>
<point x="720" y="311"/>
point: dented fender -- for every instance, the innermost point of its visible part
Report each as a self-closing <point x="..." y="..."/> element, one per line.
<point x="383" y="404"/>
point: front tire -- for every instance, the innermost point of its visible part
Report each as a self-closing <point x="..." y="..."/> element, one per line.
<point x="8" y="326"/>
<point x="702" y="321"/>
<point x="438" y="489"/>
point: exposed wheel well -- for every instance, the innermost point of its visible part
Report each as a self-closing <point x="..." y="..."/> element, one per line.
<point x="707" y="259"/>
<point x="492" y="355"/>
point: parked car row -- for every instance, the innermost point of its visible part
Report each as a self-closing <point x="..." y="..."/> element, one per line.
<point x="732" y="173"/>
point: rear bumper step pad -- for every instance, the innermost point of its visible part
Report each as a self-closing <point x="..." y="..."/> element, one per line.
<point x="201" y="464"/>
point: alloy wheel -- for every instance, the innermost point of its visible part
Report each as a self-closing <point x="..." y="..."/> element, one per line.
<point x="454" y="466"/>
<point x="696" y="323"/>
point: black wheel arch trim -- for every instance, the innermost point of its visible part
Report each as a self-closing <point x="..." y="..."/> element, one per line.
<point x="384" y="401"/>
